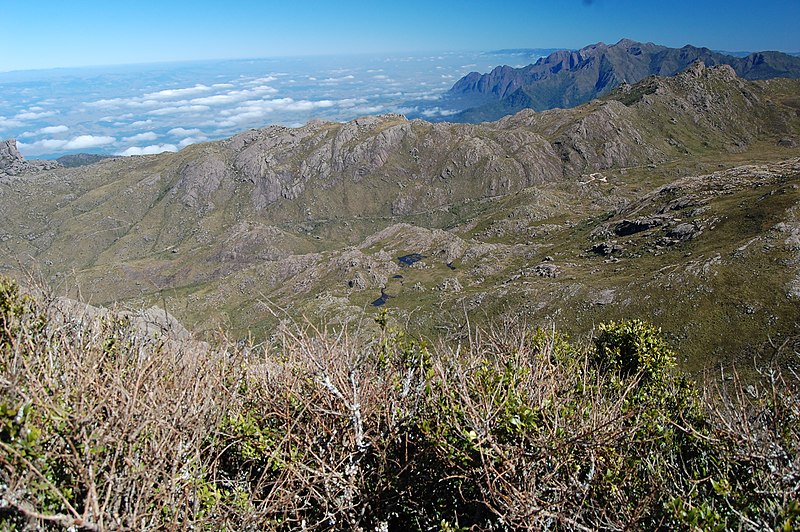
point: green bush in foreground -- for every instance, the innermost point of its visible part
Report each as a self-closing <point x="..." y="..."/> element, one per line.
<point x="103" y="427"/>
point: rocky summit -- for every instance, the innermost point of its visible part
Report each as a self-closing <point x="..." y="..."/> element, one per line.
<point x="674" y="199"/>
<point x="12" y="162"/>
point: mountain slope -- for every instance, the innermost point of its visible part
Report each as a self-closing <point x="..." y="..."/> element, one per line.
<point x="568" y="78"/>
<point x="632" y="205"/>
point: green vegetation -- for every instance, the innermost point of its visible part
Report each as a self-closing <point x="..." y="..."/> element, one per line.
<point x="105" y="427"/>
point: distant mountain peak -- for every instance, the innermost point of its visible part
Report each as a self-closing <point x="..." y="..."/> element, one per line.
<point x="568" y="78"/>
<point x="627" y="42"/>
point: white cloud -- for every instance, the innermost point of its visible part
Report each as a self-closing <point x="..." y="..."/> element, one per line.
<point x="337" y="80"/>
<point x="217" y="99"/>
<point x="140" y="137"/>
<point x="180" y="109"/>
<point x="369" y="109"/>
<point x="261" y="81"/>
<point x="168" y="94"/>
<point x="180" y="132"/>
<point x="427" y="96"/>
<point x="254" y="110"/>
<point x="41" y="146"/>
<point x="191" y="140"/>
<point x="350" y="102"/>
<point x="82" y="142"/>
<point x="53" y="130"/>
<point x="115" y="103"/>
<point x="305" y="105"/>
<point x="148" y="150"/>
<point x="437" y="111"/>
<point x="7" y="123"/>
<point x="140" y="123"/>
<point x="33" y="115"/>
<point x="405" y="110"/>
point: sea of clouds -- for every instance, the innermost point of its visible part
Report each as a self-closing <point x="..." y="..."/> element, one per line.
<point x="147" y="109"/>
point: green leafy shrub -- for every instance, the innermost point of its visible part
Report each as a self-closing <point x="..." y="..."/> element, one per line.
<point x="633" y="347"/>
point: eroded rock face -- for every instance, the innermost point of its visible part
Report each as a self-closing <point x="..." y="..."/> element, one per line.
<point x="12" y="162"/>
<point x="426" y="164"/>
<point x="605" y="138"/>
<point x="199" y="180"/>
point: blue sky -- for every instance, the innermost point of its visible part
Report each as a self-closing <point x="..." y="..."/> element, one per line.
<point x="59" y="33"/>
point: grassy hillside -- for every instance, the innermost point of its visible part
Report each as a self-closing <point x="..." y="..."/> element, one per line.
<point x="104" y="426"/>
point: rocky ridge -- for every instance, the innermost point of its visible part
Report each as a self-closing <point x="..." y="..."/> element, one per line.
<point x="424" y="166"/>
<point x="568" y="78"/>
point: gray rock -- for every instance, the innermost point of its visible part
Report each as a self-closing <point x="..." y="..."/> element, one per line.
<point x="606" y="248"/>
<point x="12" y="163"/>
<point x="630" y="227"/>
<point x="357" y="282"/>
<point x="604" y="297"/>
<point x="200" y="179"/>
<point x="546" y="270"/>
<point x="685" y="231"/>
<point x="451" y="284"/>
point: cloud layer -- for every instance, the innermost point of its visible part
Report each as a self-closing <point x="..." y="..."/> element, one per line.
<point x="145" y="111"/>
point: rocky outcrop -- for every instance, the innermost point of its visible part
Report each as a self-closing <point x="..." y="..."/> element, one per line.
<point x="199" y="180"/>
<point x="151" y="322"/>
<point x="12" y="163"/>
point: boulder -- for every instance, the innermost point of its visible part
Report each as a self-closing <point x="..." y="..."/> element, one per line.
<point x="630" y="227"/>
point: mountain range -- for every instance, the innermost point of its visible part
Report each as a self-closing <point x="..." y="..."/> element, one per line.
<point x="673" y="199"/>
<point x="567" y="78"/>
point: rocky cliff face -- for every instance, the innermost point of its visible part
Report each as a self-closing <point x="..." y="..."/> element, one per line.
<point x="569" y="78"/>
<point x="12" y="163"/>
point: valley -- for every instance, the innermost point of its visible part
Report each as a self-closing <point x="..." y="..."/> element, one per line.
<point x="673" y="200"/>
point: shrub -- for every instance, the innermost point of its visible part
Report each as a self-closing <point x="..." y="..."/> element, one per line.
<point x="103" y="426"/>
<point x="634" y="347"/>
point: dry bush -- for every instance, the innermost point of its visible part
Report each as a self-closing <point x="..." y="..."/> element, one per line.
<point x="104" y="427"/>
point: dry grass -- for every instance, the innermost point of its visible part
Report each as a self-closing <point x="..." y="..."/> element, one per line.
<point x="104" y="428"/>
